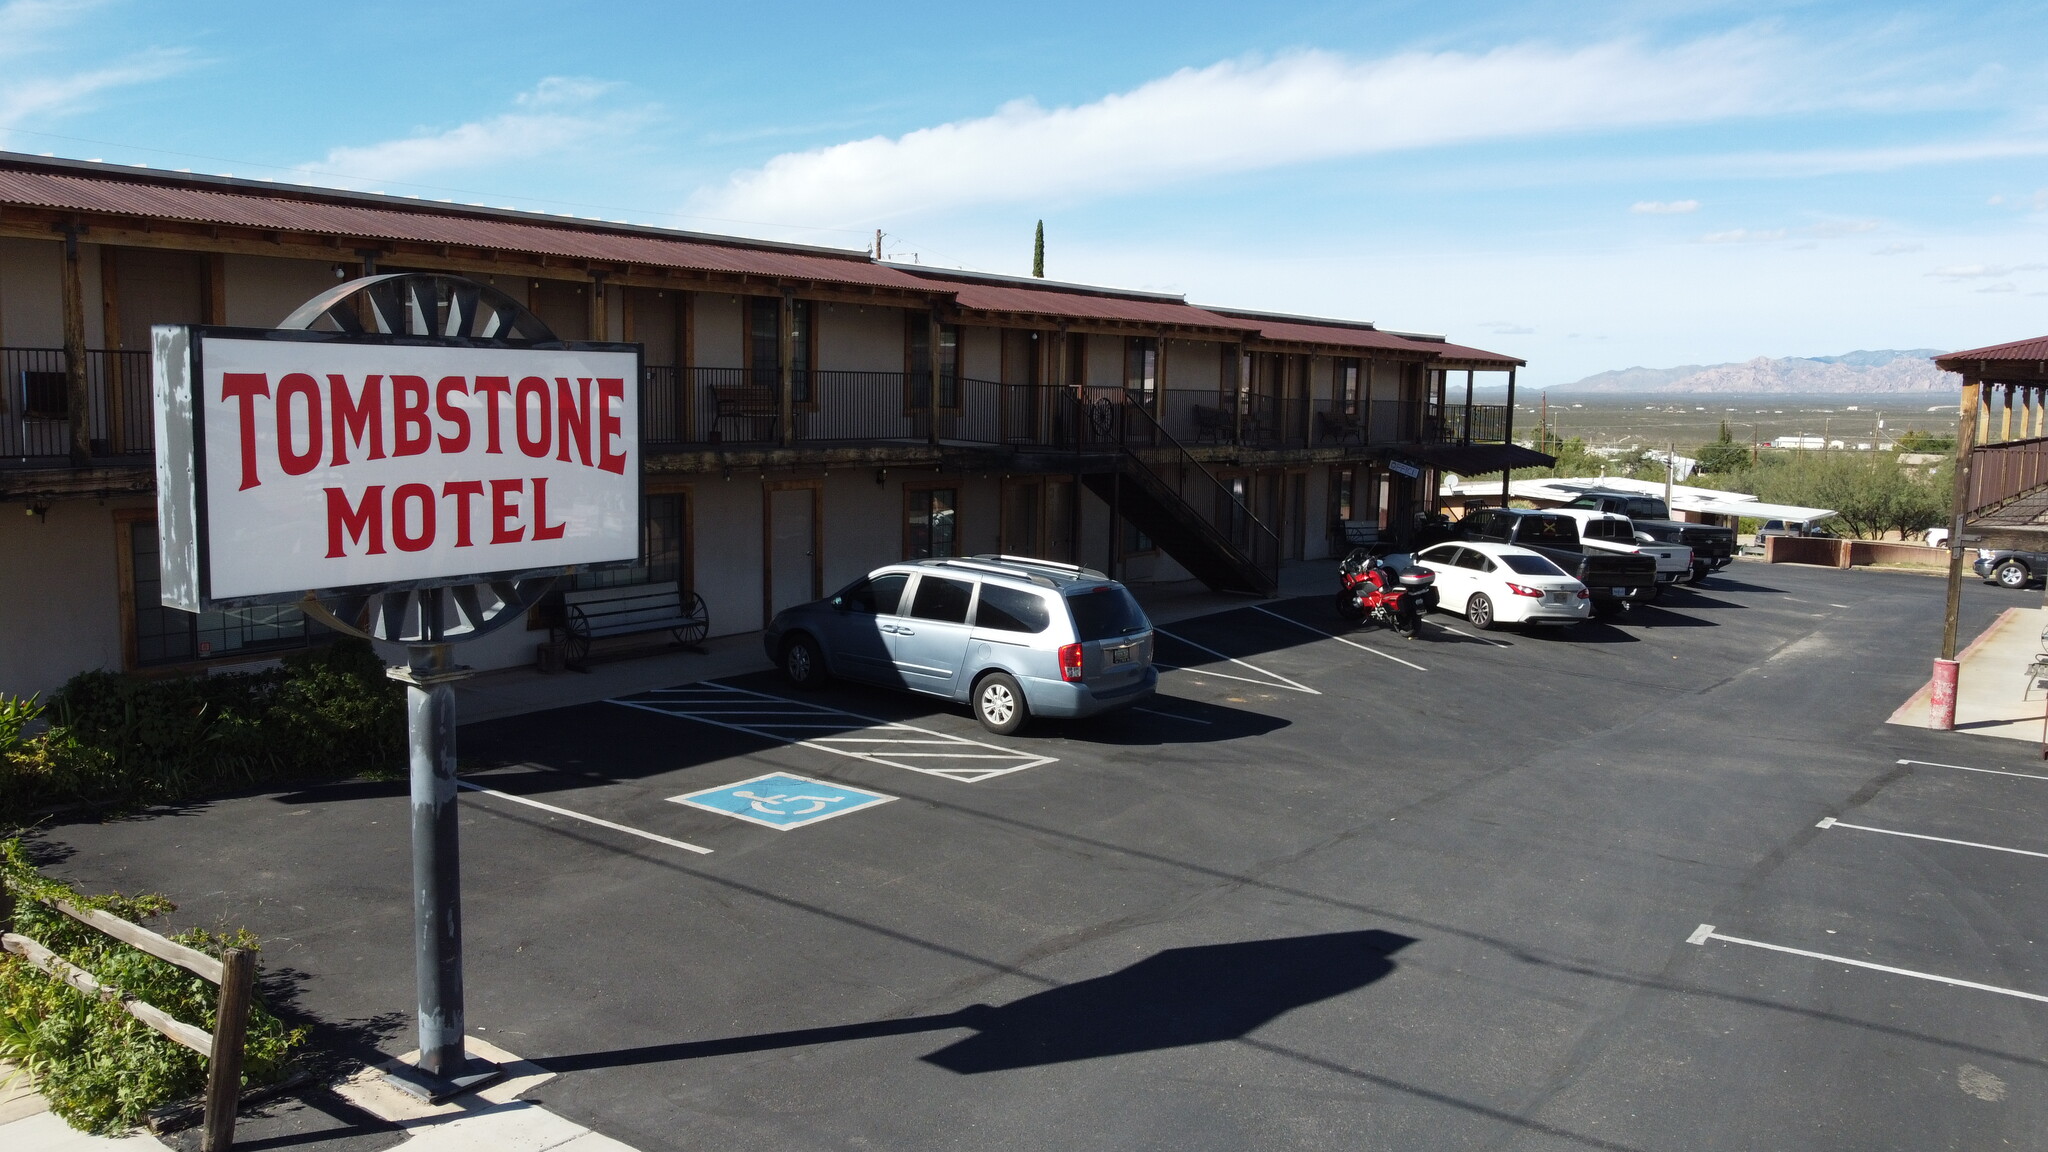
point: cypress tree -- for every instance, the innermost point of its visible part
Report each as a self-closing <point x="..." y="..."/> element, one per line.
<point x="1038" y="252"/>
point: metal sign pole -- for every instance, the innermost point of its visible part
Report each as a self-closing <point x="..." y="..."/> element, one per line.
<point x="444" y="1067"/>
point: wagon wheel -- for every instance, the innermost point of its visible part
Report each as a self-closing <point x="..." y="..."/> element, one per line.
<point x="1101" y="415"/>
<point x="426" y="304"/>
<point x="696" y="624"/>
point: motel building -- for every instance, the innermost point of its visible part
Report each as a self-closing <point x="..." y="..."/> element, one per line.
<point x="805" y="414"/>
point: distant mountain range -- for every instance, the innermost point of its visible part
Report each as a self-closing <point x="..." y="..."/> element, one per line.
<point x="1909" y="370"/>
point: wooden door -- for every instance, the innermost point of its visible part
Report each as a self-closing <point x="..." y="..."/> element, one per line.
<point x="791" y="564"/>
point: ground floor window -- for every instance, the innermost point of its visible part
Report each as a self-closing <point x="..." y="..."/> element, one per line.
<point x="930" y="527"/>
<point x="163" y="635"/>
<point x="1135" y="540"/>
<point x="664" y="548"/>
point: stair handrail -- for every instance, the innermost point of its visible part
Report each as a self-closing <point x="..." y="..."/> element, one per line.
<point x="1186" y="460"/>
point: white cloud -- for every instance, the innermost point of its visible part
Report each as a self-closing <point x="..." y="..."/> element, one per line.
<point x="1506" y="328"/>
<point x="1249" y="114"/>
<point x="557" y="114"/>
<point x="1829" y="229"/>
<point x="1898" y="249"/>
<point x="33" y="32"/>
<point x="1743" y="236"/>
<point x="1984" y="271"/>
<point x="1665" y="207"/>
<point x="2004" y="286"/>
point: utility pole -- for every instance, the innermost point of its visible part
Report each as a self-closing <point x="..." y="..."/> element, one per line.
<point x="878" y="243"/>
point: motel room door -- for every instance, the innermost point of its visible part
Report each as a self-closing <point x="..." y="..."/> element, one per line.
<point x="792" y="564"/>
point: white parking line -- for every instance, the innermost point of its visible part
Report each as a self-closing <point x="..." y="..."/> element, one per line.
<point x="1967" y="768"/>
<point x="1705" y="932"/>
<point x="1172" y="716"/>
<point x="708" y="703"/>
<point x="1339" y="639"/>
<point x="1471" y="636"/>
<point x="1831" y="822"/>
<point x="1284" y="681"/>
<point x="585" y="817"/>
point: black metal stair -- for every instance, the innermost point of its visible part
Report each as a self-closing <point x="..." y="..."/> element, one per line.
<point x="1186" y="511"/>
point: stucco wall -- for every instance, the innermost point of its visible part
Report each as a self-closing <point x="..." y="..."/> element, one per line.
<point x="859" y="337"/>
<point x="31" y="312"/>
<point x="716" y="319"/>
<point x="1105" y="361"/>
<point x="1193" y="364"/>
<point x="61" y="614"/>
<point x="263" y="290"/>
<point x="981" y="353"/>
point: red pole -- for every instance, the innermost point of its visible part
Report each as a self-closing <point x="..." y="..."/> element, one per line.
<point x="1943" y="702"/>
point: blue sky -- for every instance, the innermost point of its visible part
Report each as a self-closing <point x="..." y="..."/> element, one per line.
<point x="1586" y="185"/>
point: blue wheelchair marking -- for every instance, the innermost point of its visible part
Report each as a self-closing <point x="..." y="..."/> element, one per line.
<point x="782" y="801"/>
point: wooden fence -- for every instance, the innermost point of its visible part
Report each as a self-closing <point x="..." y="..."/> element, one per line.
<point x="234" y="973"/>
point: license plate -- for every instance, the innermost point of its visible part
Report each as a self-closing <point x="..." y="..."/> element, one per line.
<point x="1621" y="592"/>
<point x="1120" y="655"/>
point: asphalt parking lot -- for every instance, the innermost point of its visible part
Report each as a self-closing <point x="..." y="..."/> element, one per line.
<point x="1560" y="889"/>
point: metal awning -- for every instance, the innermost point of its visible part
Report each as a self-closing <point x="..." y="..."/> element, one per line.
<point x="1469" y="459"/>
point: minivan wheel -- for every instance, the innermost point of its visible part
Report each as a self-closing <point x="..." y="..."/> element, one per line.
<point x="802" y="664"/>
<point x="999" y="704"/>
<point x="2011" y="574"/>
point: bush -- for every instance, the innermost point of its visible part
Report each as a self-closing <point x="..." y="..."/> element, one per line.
<point x="116" y="738"/>
<point x="100" y="1068"/>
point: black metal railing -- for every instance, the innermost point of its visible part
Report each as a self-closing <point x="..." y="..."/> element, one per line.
<point x="1476" y="424"/>
<point x="35" y="405"/>
<point x="1171" y="471"/>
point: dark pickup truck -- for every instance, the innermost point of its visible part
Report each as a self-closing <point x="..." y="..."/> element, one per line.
<point x="1713" y="547"/>
<point x="1616" y="580"/>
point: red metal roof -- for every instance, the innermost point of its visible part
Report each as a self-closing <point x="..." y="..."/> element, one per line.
<point x="978" y="295"/>
<point x="387" y="218"/>
<point x="2035" y="349"/>
<point x="1337" y="335"/>
<point x="1464" y="354"/>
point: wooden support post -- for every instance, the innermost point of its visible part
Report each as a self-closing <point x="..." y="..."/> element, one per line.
<point x="599" y="322"/>
<point x="77" y="396"/>
<point x="2005" y="420"/>
<point x="1959" y="510"/>
<point x="224" y="1064"/>
<point x="1507" y="439"/>
<point x="785" y="363"/>
<point x="215" y="274"/>
<point x="110" y="338"/>
<point x="1365" y="405"/>
<point x="1465" y="422"/>
<point x="932" y="329"/>
<point x="1244" y="388"/>
<point x="686" y="365"/>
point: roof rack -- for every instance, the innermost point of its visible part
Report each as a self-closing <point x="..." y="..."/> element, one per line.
<point x="991" y="568"/>
<point x="1035" y="562"/>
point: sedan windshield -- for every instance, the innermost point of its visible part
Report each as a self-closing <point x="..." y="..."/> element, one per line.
<point x="1531" y="565"/>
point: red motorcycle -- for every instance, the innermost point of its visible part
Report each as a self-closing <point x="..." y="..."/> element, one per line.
<point x="1371" y="588"/>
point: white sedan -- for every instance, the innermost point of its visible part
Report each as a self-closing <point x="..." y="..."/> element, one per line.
<point x="1496" y="584"/>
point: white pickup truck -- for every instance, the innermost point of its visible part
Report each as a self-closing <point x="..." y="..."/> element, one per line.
<point x="1609" y="532"/>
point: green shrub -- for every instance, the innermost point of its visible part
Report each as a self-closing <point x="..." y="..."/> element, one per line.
<point x="100" y="1068"/>
<point x="116" y="738"/>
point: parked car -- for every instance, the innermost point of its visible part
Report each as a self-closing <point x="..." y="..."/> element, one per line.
<point x="1615" y="582"/>
<point x="1494" y="584"/>
<point x="1937" y="537"/>
<point x="1009" y="636"/>
<point x="1713" y="547"/>
<point x="1795" y="528"/>
<point x="2010" y="567"/>
<point x="1609" y="532"/>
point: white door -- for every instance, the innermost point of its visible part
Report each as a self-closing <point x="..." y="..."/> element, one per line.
<point x="792" y="536"/>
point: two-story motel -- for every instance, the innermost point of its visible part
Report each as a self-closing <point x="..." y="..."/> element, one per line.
<point x="807" y="413"/>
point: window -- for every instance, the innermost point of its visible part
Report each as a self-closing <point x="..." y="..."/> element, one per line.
<point x="1531" y="565"/>
<point x="1341" y="498"/>
<point x="941" y="599"/>
<point x="1135" y="540"/>
<point x="1141" y="366"/>
<point x="918" y="333"/>
<point x="168" y="636"/>
<point x="875" y="595"/>
<point x="764" y="345"/>
<point x="664" y="549"/>
<point x="1011" y="610"/>
<point x="929" y="528"/>
<point x="1106" y="613"/>
<point x="1348" y="381"/>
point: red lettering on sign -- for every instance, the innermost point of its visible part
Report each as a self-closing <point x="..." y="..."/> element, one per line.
<point x="610" y="389"/>
<point x="357" y="417"/>
<point x="504" y="510"/>
<point x="452" y="413"/>
<point x="462" y="491"/>
<point x="292" y="461"/>
<point x="542" y="530"/>
<point x="246" y="387"/>
<point x="493" y="389"/>
<point x="408" y="541"/>
<point x="411" y="434"/>
<point x="363" y="523"/>
<point x="573" y="409"/>
<point x="533" y="433"/>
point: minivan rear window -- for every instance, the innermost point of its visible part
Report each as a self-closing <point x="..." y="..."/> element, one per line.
<point x="1106" y="613"/>
<point x="1011" y="610"/>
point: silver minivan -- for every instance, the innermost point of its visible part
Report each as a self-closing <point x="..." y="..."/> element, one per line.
<point x="1009" y="636"/>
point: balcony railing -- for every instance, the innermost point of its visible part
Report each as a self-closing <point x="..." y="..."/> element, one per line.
<point x="707" y="407"/>
<point x="35" y="406"/>
<point x="1199" y="417"/>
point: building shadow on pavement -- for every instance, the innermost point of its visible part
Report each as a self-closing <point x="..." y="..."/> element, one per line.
<point x="1177" y="998"/>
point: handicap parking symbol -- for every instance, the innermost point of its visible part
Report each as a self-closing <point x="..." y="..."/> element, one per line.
<point x="782" y="801"/>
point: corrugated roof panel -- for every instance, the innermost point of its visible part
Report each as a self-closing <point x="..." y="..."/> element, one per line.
<point x="2035" y="349"/>
<point x="297" y="212"/>
<point x="1016" y="300"/>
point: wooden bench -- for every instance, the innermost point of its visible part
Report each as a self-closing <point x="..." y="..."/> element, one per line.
<point x="633" y="610"/>
<point x="761" y="406"/>
<point x="1361" y="533"/>
<point x="1213" y="425"/>
<point x="1339" y="427"/>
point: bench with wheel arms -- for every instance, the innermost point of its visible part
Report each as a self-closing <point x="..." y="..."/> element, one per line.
<point x="635" y="610"/>
<point x="759" y="407"/>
